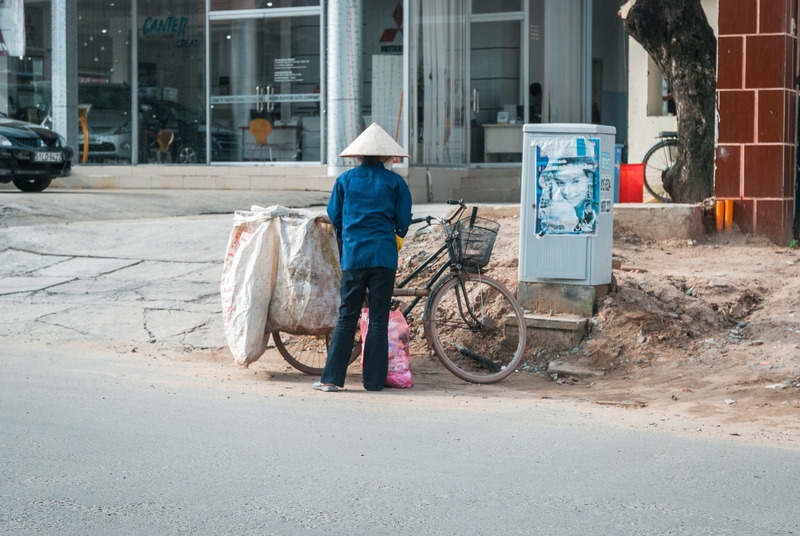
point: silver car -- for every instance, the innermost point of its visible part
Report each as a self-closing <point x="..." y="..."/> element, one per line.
<point x="109" y="122"/>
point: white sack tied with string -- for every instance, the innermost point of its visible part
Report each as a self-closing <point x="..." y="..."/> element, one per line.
<point x="281" y="273"/>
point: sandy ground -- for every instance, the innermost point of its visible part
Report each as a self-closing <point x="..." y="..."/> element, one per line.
<point x="705" y="329"/>
<point x="693" y="338"/>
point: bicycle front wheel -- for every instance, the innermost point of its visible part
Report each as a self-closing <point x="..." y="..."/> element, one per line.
<point x="308" y="353"/>
<point x="477" y="328"/>
<point x="658" y="160"/>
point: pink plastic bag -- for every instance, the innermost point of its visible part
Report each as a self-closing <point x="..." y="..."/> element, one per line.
<point x="399" y="375"/>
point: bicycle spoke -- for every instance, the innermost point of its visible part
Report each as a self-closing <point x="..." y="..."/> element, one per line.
<point x="308" y="353"/>
<point x="305" y="350"/>
<point x="477" y="329"/>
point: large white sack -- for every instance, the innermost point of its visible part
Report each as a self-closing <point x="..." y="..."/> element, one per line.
<point x="306" y="297"/>
<point x="281" y="273"/>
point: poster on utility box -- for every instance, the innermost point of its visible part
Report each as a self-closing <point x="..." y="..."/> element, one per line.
<point x="567" y="186"/>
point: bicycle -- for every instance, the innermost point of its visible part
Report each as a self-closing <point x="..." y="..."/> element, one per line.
<point x="659" y="159"/>
<point x="472" y="322"/>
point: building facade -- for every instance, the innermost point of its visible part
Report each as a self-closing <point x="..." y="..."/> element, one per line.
<point x="756" y="156"/>
<point x="757" y="105"/>
<point x="264" y="94"/>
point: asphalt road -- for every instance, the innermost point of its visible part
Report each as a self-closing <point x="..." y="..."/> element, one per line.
<point x="98" y="439"/>
<point x="102" y="443"/>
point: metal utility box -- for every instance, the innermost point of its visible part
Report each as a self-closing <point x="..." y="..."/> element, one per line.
<point x="567" y="214"/>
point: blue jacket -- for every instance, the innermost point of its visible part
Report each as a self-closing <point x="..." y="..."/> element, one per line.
<point x="368" y="205"/>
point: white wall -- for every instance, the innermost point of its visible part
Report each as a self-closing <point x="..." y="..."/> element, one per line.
<point x="643" y="129"/>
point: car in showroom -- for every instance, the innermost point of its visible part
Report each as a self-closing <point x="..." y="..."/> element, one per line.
<point x="31" y="156"/>
<point x="108" y="121"/>
<point x="189" y="134"/>
<point x="110" y="128"/>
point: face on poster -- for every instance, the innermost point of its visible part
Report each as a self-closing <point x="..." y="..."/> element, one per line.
<point x="567" y="193"/>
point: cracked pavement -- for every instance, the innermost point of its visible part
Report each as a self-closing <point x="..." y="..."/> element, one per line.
<point x="131" y="284"/>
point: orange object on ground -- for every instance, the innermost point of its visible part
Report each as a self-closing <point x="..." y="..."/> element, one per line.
<point x="82" y="112"/>
<point x="631" y="183"/>
<point x="728" y="214"/>
<point x="719" y="215"/>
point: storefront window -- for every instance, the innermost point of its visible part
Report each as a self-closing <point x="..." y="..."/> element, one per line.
<point x="25" y="61"/>
<point x="496" y="72"/>
<point x="225" y="5"/>
<point x="265" y="89"/>
<point x="104" y="80"/>
<point x="172" y="119"/>
<point x="382" y="64"/>
<point x="495" y="6"/>
<point x="439" y="100"/>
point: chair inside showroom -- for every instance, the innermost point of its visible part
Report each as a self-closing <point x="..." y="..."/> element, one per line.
<point x="160" y="147"/>
<point x="261" y="129"/>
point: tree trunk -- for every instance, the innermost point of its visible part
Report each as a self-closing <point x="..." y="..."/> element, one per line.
<point x="678" y="37"/>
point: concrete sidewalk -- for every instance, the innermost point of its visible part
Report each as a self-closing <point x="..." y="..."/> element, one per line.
<point x="124" y="267"/>
<point x="125" y="283"/>
<point x="73" y="205"/>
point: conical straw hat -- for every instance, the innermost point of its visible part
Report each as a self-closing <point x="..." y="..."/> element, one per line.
<point x="374" y="142"/>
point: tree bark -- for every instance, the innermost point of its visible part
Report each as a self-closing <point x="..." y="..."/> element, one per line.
<point x="678" y="37"/>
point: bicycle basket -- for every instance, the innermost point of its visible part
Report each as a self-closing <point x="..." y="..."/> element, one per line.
<point x="473" y="244"/>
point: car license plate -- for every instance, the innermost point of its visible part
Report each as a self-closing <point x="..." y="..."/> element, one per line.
<point x="48" y="157"/>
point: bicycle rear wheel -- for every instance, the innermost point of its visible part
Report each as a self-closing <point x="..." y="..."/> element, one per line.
<point x="308" y="353"/>
<point x="658" y="160"/>
<point x="477" y="329"/>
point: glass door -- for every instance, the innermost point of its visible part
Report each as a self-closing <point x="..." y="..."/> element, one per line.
<point x="498" y="79"/>
<point x="265" y="72"/>
<point x="439" y="93"/>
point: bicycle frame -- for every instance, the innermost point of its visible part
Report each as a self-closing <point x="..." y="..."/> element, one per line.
<point x="424" y="292"/>
<point x="441" y="289"/>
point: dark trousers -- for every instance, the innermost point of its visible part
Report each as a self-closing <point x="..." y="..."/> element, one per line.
<point x="380" y="282"/>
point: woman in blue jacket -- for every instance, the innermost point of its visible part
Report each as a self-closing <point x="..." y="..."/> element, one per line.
<point x="369" y="205"/>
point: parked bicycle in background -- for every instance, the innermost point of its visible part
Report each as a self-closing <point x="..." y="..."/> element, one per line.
<point x="659" y="159"/>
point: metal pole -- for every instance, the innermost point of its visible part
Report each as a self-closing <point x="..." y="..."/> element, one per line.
<point x="525" y="43"/>
<point x="344" y="78"/>
<point x="208" y="83"/>
<point x="587" y="86"/>
<point x="404" y="137"/>
<point x="64" y="70"/>
<point x="323" y="86"/>
<point x="135" y="137"/>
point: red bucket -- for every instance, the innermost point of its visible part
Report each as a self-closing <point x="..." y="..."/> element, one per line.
<point x="631" y="183"/>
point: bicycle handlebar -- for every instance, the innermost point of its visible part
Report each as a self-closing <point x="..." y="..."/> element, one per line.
<point x="443" y="221"/>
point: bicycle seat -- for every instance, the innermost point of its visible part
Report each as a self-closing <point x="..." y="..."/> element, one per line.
<point x="667" y="134"/>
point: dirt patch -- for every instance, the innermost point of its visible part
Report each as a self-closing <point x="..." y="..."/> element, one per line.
<point x="686" y="322"/>
<point x="694" y="337"/>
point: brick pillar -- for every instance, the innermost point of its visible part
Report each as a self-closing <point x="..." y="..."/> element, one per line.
<point x="757" y="104"/>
